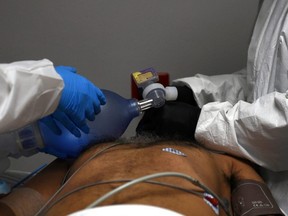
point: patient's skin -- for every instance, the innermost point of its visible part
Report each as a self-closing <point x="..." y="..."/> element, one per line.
<point x="130" y="162"/>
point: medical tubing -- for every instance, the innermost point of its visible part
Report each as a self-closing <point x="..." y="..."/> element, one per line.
<point x="157" y="175"/>
<point x="176" y="187"/>
<point x="50" y="204"/>
<point x="65" y="181"/>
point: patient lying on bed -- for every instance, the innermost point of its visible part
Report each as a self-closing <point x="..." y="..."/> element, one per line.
<point x="66" y="187"/>
<point x="106" y="166"/>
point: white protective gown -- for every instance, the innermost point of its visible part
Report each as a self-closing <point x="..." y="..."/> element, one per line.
<point x="246" y="113"/>
<point x="29" y="90"/>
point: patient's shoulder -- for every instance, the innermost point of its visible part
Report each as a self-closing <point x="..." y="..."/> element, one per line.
<point x="237" y="168"/>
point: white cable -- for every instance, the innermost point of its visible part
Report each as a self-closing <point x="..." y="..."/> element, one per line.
<point x="157" y="175"/>
<point x="65" y="181"/>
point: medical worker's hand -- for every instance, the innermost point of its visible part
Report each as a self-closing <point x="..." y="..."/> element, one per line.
<point x="175" y="119"/>
<point x="80" y="100"/>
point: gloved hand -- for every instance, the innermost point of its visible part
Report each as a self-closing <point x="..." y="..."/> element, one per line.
<point x="63" y="118"/>
<point x="175" y="120"/>
<point x="80" y="100"/>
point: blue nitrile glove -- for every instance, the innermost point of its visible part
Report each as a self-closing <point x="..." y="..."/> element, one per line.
<point x="62" y="117"/>
<point x="80" y="100"/>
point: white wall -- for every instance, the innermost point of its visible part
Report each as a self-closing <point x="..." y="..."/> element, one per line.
<point x="109" y="39"/>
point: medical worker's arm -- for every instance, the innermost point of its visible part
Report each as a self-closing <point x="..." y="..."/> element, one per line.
<point x="255" y="131"/>
<point x="80" y="100"/>
<point x="226" y="87"/>
<point x="29" y="90"/>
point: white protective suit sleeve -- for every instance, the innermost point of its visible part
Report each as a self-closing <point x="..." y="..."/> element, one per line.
<point x="29" y="90"/>
<point x="257" y="129"/>
<point x="226" y="87"/>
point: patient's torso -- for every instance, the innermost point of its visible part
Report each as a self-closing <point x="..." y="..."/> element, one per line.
<point x="126" y="162"/>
